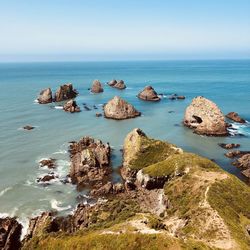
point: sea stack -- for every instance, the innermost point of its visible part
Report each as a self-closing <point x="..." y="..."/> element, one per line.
<point x="45" y="96"/>
<point x="96" y="87"/>
<point x="71" y="106"/>
<point x="65" y="92"/>
<point x="235" y="117"/>
<point x="149" y="94"/>
<point x="119" y="109"/>
<point x="205" y="118"/>
<point x="118" y="84"/>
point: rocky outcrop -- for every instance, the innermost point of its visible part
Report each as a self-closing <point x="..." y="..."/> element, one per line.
<point x="71" y="106"/>
<point x="236" y="153"/>
<point x="244" y="164"/>
<point x="229" y="145"/>
<point x="10" y="232"/>
<point x="90" y="162"/>
<point x="49" y="163"/>
<point x="149" y="94"/>
<point x="65" y="92"/>
<point x="96" y="87"/>
<point x="205" y="118"/>
<point x="45" y="96"/>
<point x="119" y="109"/>
<point x="235" y="117"/>
<point x="107" y="189"/>
<point x="118" y="84"/>
<point x="46" y="178"/>
<point x="28" y="127"/>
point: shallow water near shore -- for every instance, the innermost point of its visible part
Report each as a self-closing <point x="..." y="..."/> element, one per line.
<point x="227" y="83"/>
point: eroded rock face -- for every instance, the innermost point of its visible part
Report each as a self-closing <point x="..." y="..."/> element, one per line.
<point x="205" y="118"/>
<point x="65" y="92"/>
<point x="10" y="232"/>
<point x="96" y="87"/>
<point x="235" y="117"/>
<point x="119" y="109"/>
<point x="45" y="96"/>
<point x="108" y="189"/>
<point x="119" y="84"/>
<point x="244" y="164"/>
<point x="71" y="106"/>
<point x="90" y="162"/>
<point x="149" y="94"/>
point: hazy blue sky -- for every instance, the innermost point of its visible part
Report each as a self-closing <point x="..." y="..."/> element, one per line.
<point x="128" y="29"/>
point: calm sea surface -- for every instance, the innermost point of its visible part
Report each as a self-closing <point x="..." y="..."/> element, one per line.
<point x="227" y="83"/>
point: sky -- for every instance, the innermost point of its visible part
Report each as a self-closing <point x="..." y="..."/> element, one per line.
<point x="122" y="30"/>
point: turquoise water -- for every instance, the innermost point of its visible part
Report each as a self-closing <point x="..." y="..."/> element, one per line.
<point x="225" y="82"/>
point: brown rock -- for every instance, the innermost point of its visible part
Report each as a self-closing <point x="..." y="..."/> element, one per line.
<point x="71" y="106"/>
<point x="119" y="109"/>
<point x="90" y="161"/>
<point x="235" y="117"/>
<point x="244" y="164"/>
<point x="229" y="145"/>
<point x="98" y="114"/>
<point x="10" y="232"/>
<point x="119" y="84"/>
<point x="65" y="92"/>
<point x="96" y="87"/>
<point x="236" y="153"/>
<point x="28" y="127"/>
<point x="46" y="178"/>
<point x="181" y="97"/>
<point x="108" y="189"/>
<point x="149" y="94"/>
<point x="50" y="163"/>
<point x="205" y="118"/>
<point x="45" y="96"/>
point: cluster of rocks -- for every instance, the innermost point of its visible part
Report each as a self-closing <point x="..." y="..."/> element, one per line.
<point x="177" y="97"/>
<point x="63" y="93"/>
<point x="118" y="84"/>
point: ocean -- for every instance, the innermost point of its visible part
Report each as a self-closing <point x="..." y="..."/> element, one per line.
<point x="227" y="83"/>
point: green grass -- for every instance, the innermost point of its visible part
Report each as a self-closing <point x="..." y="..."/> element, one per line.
<point x="178" y="163"/>
<point x="231" y="198"/>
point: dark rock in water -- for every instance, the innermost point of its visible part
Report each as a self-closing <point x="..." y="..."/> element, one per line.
<point x="94" y="107"/>
<point x="10" y="233"/>
<point x="205" y="118"/>
<point x="171" y="111"/>
<point x="46" y="178"/>
<point x="96" y="87"/>
<point x="71" y="106"/>
<point x="28" y="127"/>
<point x="119" y="84"/>
<point x="98" y="114"/>
<point x="90" y="161"/>
<point x="229" y="145"/>
<point x="181" y="97"/>
<point x="86" y="108"/>
<point x="65" y="92"/>
<point x="236" y="153"/>
<point x="45" y="96"/>
<point x="235" y="117"/>
<point x="244" y="164"/>
<point x="108" y="189"/>
<point x="177" y="125"/>
<point x="119" y="109"/>
<point x="172" y="98"/>
<point x="50" y="163"/>
<point x="149" y="94"/>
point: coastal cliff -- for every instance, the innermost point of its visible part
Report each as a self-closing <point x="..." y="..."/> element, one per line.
<point x="172" y="200"/>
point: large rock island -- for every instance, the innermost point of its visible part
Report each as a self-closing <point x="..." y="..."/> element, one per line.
<point x="149" y="94"/>
<point x="119" y="109"/>
<point x="205" y="118"/>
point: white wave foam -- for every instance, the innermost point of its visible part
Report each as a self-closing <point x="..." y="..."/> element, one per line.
<point x="238" y="128"/>
<point x="62" y="151"/>
<point x="5" y="191"/>
<point x="35" y="101"/>
<point x="56" y="205"/>
<point x="58" y="107"/>
<point x="4" y="215"/>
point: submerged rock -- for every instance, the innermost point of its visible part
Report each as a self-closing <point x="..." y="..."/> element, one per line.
<point x="205" y="118"/>
<point x="229" y="145"/>
<point x="71" y="106"/>
<point x="65" y="92"/>
<point x="119" y="109"/>
<point x="235" y="117"/>
<point x="119" y="84"/>
<point x="90" y="161"/>
<point x="96" y="87"/>
<point x="28" y="127"/>
<point x="45" y="96"/>
<point x="98" y="114"/>
<point x="149" y="94"/>
<point x="10" y="233"/>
